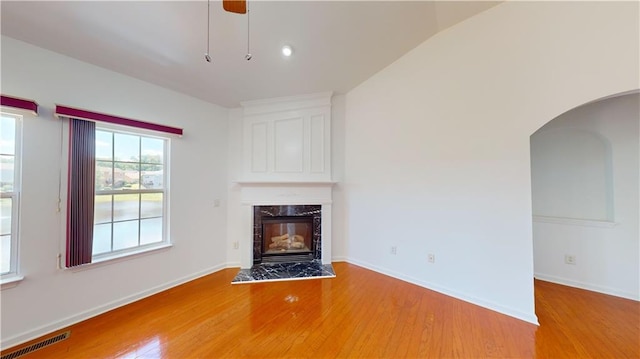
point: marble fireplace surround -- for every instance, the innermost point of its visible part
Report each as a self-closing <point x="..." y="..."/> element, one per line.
<point x="310" y="213"/>
<point x="281" y="194"/>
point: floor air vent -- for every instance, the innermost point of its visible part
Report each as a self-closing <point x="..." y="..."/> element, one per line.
<point x="33" y="347"/>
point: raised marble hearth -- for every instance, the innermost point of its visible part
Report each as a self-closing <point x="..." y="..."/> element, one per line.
<point x="284" y="271"/>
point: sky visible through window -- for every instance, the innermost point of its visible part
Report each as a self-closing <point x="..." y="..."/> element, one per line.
<point x="7" y="135"/>
<point x="127" y="147"/>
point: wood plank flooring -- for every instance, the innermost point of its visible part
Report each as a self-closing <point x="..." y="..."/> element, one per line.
<point x="358" y="314"/>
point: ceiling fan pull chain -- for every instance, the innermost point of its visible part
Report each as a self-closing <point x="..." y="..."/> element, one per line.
<point x="206" y="55"/>
<point x="248" y="55"/>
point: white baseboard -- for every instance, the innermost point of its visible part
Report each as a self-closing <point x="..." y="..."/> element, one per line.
<point x="63" y="323"/>
<point x="527" y="317"/>
<point x="587" y="286"/>
<point x="339" y="259"/>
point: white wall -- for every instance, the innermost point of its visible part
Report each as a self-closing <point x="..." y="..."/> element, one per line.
<point x="607" y="254"/>
<point x="49" y="298"/>
<point x="340" y="215"/>
<point x="235" y="232"/>
<point x="437" y="144"/>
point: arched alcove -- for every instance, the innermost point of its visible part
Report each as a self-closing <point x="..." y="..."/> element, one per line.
<point x="571" y="174"/>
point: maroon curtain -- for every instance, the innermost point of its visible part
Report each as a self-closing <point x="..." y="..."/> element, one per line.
<point x="81" y="193"/>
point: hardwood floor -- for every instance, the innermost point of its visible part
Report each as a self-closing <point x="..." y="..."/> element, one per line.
<point x="358" y="314"/>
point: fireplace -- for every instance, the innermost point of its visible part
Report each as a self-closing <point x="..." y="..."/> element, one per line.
<point x="287" y="233"/>
<point x="269" y="200"/>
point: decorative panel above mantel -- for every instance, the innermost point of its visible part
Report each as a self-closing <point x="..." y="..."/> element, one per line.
<point x="287" y="139"/>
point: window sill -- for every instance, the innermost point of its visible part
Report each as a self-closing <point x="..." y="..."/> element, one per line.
<point x="120" y="257"/>
<point x="10" y="281"/>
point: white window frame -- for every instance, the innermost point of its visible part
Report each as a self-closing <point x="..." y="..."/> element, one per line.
<point x="13" y="275"/>
<point x="108" y="256"/>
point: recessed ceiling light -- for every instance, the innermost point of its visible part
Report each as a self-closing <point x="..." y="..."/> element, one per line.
<point x="287" y="50"/>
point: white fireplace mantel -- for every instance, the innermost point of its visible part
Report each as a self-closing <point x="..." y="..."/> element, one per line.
<point x="286" y="161"/>
<point x="284" y="193"/>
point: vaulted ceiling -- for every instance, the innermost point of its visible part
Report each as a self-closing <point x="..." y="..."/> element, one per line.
<point x="336" y="44"/>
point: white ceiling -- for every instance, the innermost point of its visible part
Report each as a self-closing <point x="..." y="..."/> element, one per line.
<point x="337" y="44"/>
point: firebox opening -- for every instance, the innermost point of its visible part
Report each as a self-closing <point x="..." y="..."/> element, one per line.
<point x="287" y="234"/>
<point x="284" y="235"/>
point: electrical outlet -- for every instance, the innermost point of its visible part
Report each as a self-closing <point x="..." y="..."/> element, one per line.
<point x="569" y="259"/>
<point x="431" y="258"/>
<point x="236" y="245"/>
<point x="394" y="249"/>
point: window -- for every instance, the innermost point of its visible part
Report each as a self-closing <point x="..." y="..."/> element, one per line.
<point x="9" y="192"/>
<point x="116" y="186"/>
<point x="130" y="192"/>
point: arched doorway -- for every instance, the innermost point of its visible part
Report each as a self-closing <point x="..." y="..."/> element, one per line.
<point x="585" y="194"/>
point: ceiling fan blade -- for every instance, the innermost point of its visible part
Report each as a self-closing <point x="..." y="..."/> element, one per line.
<point x="237" y="6"/>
